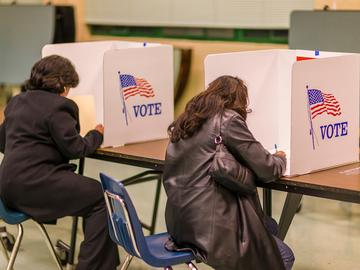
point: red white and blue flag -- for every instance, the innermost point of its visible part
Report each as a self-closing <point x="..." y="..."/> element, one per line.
<point x="132" y="86"/>
<point x="320" y="103"/>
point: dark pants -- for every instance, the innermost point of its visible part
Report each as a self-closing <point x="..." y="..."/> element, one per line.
<point x="97" y="251"/>
<point x="70" y="195"/>
<point x="286" y="253"/>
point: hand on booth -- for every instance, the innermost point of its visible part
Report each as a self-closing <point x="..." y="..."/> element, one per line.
<point x="280" y="154"/>
<point x="99" y="128"/>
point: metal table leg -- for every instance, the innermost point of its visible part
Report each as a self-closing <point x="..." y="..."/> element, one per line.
<point x="145" y="177"/>
<point x="156" y="206"/>
<point x="291" y="205"/>
<point x="267" y="201"/>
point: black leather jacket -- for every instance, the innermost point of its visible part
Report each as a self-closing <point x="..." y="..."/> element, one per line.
<point x="224" y="230"/>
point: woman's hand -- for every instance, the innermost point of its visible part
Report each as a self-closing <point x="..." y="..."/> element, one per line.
<point x="100" y="128"/>
<point x="280" y="154"/>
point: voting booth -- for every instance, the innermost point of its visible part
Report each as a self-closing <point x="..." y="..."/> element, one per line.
<point x="309" y="109"/>
<point x="130" y="83"/>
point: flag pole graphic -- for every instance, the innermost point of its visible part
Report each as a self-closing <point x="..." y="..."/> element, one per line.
<point x="123" y="99"/>
<point x="310" y="121"/>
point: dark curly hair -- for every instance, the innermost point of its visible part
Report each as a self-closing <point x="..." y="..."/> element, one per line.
<point x="52" y="74"/>
<point x="226" y="92"/>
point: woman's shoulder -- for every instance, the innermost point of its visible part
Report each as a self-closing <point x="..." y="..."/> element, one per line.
<point x="66" y="105"/>
<point x="231" y="115"/>
<point x="11" y="103"/>
<point x="57" y="101"/>
<point x="233" y="123"/>
<point x="51" y="101"/>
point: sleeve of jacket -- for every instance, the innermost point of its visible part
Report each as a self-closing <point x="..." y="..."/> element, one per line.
<point x="2" y="137"/>
<point x="64" y="129"/>
<point x="3" y="124"/>
<point x="242" y="144"/>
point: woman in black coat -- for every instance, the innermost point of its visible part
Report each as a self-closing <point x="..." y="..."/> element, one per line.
<point x="225" y="229"/>
<point x="38" y="137"/>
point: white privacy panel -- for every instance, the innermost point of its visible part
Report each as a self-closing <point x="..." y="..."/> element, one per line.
<point x="309" y="109"/>
<point x="128" y="86"/>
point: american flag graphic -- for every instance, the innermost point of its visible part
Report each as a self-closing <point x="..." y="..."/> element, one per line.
<point x="132" y="86"/>
<point x="320" y="102"/>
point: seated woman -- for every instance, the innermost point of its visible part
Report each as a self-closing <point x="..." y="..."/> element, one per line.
<point x="38" y="137"/>
<point x="225" y="229"/>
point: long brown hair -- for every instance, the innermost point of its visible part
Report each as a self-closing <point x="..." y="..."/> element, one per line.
<point x="226" y="92"/>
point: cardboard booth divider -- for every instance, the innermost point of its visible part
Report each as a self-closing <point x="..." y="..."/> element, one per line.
<point x="131" y="84"/>
<point x="87" y="117"/>
<point x="309" y="109"/>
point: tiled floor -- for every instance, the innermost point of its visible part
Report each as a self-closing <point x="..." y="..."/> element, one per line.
<point x="325" y="235"/>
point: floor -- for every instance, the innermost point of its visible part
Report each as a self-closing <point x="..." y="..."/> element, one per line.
<point x="325" y="235"/>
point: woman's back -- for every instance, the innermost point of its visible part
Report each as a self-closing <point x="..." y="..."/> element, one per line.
<point x="203" y="215"/>
<point x="30" y="148"/>
<point x="190" y="159"/>
<point x="40" y="134"/>
<point x="27" y="119"/>
<point x="224" y="228"/>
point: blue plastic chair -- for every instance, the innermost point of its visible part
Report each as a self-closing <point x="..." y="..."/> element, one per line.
<point x="125" y="230"/>
<point x="17" y="218"/>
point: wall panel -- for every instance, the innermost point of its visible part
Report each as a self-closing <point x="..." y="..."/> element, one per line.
<point x="265" y="14"/>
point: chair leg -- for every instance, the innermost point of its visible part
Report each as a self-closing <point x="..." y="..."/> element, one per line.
<point x="3" y="247"/>
<point x="49" y="245"/>
<point x="127" y="262"/>
<point x="15" y="250"/>
<point x="191" y="266"/>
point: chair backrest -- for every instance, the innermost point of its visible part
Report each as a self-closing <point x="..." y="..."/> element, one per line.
<point x="124" y="224"/>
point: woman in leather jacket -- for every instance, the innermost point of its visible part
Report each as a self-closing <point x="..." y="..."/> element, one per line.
<point x="223" y="228"/>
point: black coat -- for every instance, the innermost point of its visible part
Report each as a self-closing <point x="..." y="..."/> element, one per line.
<point x="224" y="229"/>
<point x="38" y="137"/>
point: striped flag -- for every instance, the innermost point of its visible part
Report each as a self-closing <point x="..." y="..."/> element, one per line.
<point x="321" y="102"/>
<point x="132" y="86"/>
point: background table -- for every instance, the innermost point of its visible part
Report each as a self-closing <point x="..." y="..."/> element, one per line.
<point x="149" y="155"/>
<point x="341" y="183"/>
